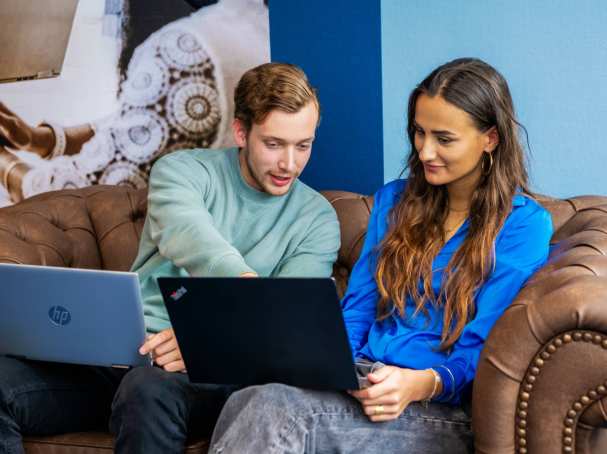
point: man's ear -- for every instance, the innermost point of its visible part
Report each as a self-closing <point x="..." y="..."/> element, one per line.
<point x="493" y="139"/>
<point x="240" y="133"/>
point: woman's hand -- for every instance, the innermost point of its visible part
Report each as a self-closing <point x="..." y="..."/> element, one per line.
<point x="393" y="390"/>
<point x="165" y="351"/>
<point x="21" y="136"/>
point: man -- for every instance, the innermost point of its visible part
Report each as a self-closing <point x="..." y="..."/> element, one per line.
<point x="234" y="212"/>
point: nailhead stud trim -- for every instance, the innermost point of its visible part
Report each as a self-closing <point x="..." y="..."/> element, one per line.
<point x="573" y="413"/>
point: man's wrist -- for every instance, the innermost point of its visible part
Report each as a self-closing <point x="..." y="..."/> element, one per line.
<point x="230" y="264"/>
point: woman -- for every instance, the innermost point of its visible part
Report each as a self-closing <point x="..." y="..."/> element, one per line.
<point x="446" y="252"/>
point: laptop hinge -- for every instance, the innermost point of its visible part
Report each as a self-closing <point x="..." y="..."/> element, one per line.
<point x="120" y="366"/>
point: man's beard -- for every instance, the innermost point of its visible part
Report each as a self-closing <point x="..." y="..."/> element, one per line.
<point x="251" y="171"/>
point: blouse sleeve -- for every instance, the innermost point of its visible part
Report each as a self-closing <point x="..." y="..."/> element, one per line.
<point x="521" y="248"/>
<point x="359" y="304"/>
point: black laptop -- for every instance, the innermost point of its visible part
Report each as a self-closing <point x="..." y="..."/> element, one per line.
<point x="261" y="330"/>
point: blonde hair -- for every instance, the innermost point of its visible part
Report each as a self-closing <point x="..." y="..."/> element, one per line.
<point x="272" y="86"/>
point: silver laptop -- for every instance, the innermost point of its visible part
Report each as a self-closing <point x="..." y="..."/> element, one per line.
<point x="33" y="37"/>
<point x="71" y="315"/>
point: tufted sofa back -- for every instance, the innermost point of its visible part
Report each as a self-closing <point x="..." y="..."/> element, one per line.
<point x="100" y="227"/>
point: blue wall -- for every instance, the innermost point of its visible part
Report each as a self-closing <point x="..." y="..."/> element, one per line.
<point x="337" y="43"/>
<point x="553" y="54"/>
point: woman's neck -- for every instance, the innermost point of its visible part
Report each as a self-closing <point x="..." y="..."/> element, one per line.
<point x="460" y="192"/>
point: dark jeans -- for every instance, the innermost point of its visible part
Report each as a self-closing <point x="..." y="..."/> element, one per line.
<point x="149" y="410"/>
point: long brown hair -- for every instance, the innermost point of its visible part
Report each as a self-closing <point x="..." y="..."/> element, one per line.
<point x="416" y="233"/>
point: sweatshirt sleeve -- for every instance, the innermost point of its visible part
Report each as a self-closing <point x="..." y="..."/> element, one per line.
<point x="521" y="249"/>
<point x="180" y="224"/>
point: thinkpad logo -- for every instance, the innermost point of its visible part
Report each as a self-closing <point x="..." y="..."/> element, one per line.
<point x="178" y="293"/>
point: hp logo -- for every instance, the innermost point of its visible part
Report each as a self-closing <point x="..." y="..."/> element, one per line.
<point x="59" y="315"/>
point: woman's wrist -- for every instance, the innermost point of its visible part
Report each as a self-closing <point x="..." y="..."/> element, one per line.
<point x="431" y="385"/>
<point x="12" y="170"/>
<point x="43" y="140"/>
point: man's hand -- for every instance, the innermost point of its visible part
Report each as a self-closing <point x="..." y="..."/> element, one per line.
<point x="21" y="136"/>
<point x="249" y="274"/>
<point x="165" y="351"/>
<point x="392" y="391"/>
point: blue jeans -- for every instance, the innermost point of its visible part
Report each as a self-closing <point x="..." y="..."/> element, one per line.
<point x="282" y="419"/>
<point x="148" y="409"/>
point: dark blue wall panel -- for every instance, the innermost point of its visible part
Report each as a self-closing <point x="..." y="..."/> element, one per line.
<point x="338" y="45"/>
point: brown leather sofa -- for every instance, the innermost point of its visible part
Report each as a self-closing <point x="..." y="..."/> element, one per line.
<point x="541" y="386"/>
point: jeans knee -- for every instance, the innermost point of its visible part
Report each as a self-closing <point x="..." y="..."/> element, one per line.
<point x="9" y="383"/>
<point x="272" y="397"/>
<point x="146" y="389"/>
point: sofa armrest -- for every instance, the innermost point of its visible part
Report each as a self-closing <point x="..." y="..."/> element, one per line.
<point x="542" y="375"/>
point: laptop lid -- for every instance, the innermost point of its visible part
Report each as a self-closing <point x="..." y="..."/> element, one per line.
<point x="34" y="37"/>
<point x="71" y="315"/>
<point x="260" y="330"/>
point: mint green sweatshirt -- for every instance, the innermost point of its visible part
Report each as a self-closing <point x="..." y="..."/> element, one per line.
<point x="204" y="220"/>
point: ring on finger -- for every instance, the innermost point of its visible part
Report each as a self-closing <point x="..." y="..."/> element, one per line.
<point x="379" y="409"/>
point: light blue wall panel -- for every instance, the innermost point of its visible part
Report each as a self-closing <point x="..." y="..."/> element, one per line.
<point x="553" y="54"/>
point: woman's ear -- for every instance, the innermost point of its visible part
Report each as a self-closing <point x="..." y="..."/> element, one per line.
<point x="492" y="139"/>
<point x="240" y="133"/>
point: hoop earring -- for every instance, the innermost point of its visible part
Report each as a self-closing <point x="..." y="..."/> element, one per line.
<point x="487" y="171"/>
